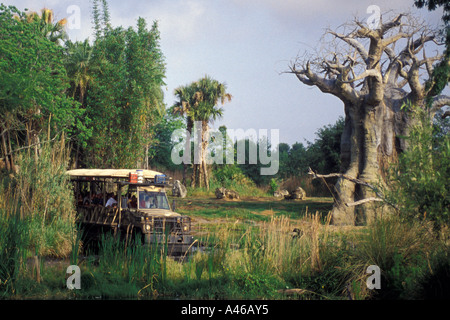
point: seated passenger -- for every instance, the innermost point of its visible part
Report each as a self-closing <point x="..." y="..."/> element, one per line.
<point x="87" y="200"/>
<point x="98" y="199"/>
<point x="149" y="202"/>
<point x="133" y="202"/>
<point x="142" y="198"/>
<point x="112" y="202"/>
<point x="80" y="199"/>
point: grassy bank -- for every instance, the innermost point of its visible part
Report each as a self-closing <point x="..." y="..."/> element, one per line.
<point x="257" y="208"/>
<point x="257" y="257"/>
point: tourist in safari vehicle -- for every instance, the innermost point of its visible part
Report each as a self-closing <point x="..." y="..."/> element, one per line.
<point x="136" y="205"/>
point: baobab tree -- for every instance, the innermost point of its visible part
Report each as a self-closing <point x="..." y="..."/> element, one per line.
<point x="376" y="73"/>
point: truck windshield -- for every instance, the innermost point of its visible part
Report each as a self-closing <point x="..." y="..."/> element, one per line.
<point x="153" y="200"/>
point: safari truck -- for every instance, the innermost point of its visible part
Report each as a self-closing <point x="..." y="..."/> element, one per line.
<point x="133" y="202"/>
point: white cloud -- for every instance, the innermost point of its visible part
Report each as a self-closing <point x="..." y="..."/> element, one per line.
<point x="325" y="12"/>
<point x="180" y="20"/>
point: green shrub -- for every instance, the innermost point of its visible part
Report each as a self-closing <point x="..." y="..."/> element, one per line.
<point x="400" y="249"/>
<point x="273" y="186"/>
<point x="419" y="183"/>
<point x="231" y="176"/>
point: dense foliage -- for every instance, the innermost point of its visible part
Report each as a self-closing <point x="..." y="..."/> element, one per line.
<point x="122" y="92"/>
<point x="420" y="181"/>
<point x="33" y="100"/>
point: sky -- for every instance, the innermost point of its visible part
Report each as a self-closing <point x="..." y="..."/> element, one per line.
<point x="247" y="44"/>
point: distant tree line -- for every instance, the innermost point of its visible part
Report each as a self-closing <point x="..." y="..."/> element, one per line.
<point x="322" y="155"/>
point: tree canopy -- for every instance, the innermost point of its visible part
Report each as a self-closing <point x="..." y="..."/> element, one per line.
<point x="119" y="80"/>
<point x="34" y="82"/>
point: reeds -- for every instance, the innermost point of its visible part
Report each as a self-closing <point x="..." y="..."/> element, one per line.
<point x="258" y="259"/>
<point x="36" y="212"/>
<point x="46" y="199"/>
<point x="139" y="269"/>
<point x="13" y="242"/>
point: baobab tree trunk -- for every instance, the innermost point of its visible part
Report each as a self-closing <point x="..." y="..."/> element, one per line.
<point x="351" y="144"/>
<point x="370" y="82"/>
<point x="371" y="141"/>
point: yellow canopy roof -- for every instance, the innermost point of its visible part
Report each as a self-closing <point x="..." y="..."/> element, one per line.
<point x="110" y="173"/>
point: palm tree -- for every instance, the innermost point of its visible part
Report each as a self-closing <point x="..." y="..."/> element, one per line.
<point x="183" y="108"/>
<point x="52" y="31"/>
<point x="208" y="94"/>
<point x="79" y="67"/>
<point x="80" y="71"/>
<point x="199" y="102"/>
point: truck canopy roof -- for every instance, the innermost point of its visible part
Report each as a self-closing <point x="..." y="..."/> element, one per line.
<point x="111" y="173"/>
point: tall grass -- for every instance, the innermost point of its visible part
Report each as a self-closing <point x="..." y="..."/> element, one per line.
<point x="258" y="261"/>
<point x="12" y="243"/>
<point x="46" y="199"/>
<point x="42" y="194"/>
<point x="36" y="214"/>
<point x="268" y="260"/>
<point x="403" y="250"/>
<point x="124" y="269"/>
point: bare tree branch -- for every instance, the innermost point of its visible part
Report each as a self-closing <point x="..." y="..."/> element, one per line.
<point x="35" y="144"/>
<point x="354" y="43"/>
<point x="356" y="203"/>
<point x="439" y="102"/>
<point x="368" y="73"/>
<point x="396" y="22"/>
<point x="446" y="114"/>
<point x="340" y="175"/>
<point x="395" y="38"/>
<point x="360" y="70"/>
<point x="380" y="198"/>
<point x="413" y="47"/>
<point x="402" y="83"/>
<point x="343" y="91"/>
<point x="364" y="32"/>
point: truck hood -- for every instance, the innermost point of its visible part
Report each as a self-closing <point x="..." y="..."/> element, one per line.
<point x="159" y="212"/>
